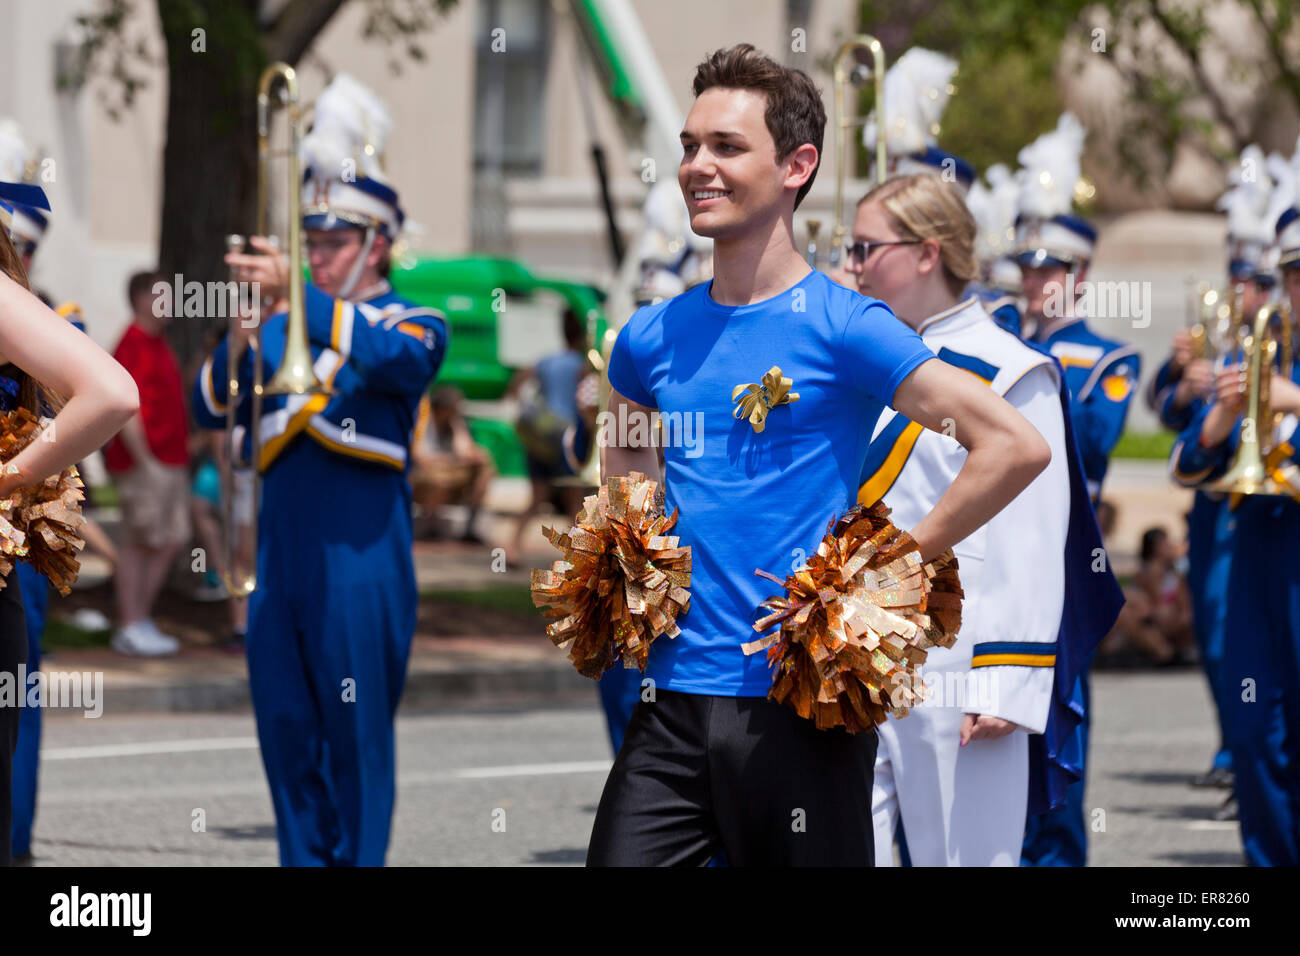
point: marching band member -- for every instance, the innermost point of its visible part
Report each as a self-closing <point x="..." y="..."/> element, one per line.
<point x="1054" y="248"/>
<point x="331" y="622"/>
<point x="39" y="360"/>
<point x="1259" y="679"/>
<point x="1178" y="393"/>
<point x="958" y="771"/>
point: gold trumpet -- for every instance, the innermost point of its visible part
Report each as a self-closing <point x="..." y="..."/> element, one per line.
<point x="1252" y="472"/>
<point x="296" y="374"/>
<point x="848" y="72"/>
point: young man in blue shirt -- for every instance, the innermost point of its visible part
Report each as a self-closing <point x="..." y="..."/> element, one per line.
<point x="709" y="768"/>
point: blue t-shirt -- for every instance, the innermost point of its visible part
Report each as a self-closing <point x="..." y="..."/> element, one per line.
<point x="756" y="500"/>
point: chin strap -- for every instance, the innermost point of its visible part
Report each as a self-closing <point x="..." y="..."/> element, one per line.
<point x="359" y="266"/>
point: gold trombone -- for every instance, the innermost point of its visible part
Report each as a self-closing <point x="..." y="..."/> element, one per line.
<point x="848" y="72"/>
<point x="296" y="374"/>
<point x="1252" y="471"/>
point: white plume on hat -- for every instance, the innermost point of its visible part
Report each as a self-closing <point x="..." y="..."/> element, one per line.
<point x="1050" y="169"/>
<point x="994" y="210"/>
<point x="15" y="155"/>
<point x="917" y="89"/>
<point x="1247" y="202"/>
<point x="352" y="123"/>
<point x="1285" y="174"/>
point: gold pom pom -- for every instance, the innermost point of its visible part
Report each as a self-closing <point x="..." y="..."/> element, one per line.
<point x="856" y="623"/>
<point x="622" y="581"/>
<point x="39" y="523"/>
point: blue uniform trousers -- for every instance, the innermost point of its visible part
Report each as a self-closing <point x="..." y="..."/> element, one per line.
<point x="36" y="598"/>
<point x="329" y="636"/>
<point x="1208" y="558"/>
<point x="1060" y="837"/>
<point x="1260" y="677"/>
<point x="620" y="689"/>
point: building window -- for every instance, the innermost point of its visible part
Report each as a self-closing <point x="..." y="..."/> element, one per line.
<point x="510" y="80"/>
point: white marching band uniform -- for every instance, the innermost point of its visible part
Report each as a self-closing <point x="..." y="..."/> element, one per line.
<point x="966" y="806"/>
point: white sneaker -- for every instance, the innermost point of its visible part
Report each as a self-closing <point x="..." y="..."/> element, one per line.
<point x="138" y="640"/>
<point x="152" y="628"/>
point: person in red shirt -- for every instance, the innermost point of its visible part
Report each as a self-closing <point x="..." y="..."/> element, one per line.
<point x="149" y="462"/>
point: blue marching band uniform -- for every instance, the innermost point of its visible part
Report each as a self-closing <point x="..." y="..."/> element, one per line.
<point x="27" y="215"/>
<point x="1256" y="675"/>
<point x="331" y="622"/>
<point x="1211" y="525"/>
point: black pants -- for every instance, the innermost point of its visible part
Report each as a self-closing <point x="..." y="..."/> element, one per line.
<point x="701" y="775"/>
<point x="13" y="651"/>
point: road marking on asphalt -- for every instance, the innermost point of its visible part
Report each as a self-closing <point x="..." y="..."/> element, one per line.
<point x="534" y="769"/>
<point x="146" y="749"/>
<point x="250" y="743"/>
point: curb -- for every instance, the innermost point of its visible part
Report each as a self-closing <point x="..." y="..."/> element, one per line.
<point x="427" y="688"/>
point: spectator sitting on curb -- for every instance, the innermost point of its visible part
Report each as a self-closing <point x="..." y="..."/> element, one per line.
<point x="1157" y="618"/>
<point x="450" y="467"/>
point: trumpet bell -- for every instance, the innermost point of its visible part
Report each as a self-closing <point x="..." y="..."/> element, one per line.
<point x="1249" y="476"/>
<point x="296" y="374"/>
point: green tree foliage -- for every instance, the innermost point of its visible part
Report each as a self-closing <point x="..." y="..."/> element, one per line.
<point x="1007" y="49"/>
<point x="1165" y="51"/>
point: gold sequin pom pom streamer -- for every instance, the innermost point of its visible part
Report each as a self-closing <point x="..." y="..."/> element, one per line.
<point x="622" y="580"/>
<point x="40" y="523"/>
<point x="855" y="623"/>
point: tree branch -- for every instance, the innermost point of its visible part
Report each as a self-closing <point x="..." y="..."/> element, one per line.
<point x="1221" y="111"/>
<point x="1274" y="35"/>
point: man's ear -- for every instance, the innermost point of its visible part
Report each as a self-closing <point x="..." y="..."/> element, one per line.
<point x="803" y="163"/>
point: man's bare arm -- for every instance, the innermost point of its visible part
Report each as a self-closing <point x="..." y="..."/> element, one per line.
<point x="1005" y="451"/>
<point x="617" y="457"/>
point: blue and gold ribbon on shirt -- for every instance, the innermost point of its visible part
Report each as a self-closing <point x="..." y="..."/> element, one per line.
<point x="755" y="399"/>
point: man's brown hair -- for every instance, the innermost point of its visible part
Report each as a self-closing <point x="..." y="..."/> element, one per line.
<point x="795" y="114"/>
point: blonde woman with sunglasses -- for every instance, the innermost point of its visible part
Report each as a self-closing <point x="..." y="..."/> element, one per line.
<point x="958" y="769"/>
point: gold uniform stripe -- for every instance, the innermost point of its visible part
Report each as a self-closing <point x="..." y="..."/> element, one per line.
<point x="1023" y="660"/>
<point x="874" y="488"/>
<point x="334" y="325"/>
<point x="356" y="452"/>
<point x="296" y="424"/>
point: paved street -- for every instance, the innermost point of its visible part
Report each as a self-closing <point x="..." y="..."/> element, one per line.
<point x="125" y="790"/>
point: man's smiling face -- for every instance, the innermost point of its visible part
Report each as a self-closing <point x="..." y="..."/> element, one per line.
<point x="730" y="173"/>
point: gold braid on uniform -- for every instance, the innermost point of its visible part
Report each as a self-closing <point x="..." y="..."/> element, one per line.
<point x="622" y="580"/>
<point x="39" y="523"/>
<point x="856" y="623"/>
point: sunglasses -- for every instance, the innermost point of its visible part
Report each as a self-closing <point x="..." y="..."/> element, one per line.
<point x="859" y="251"/>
